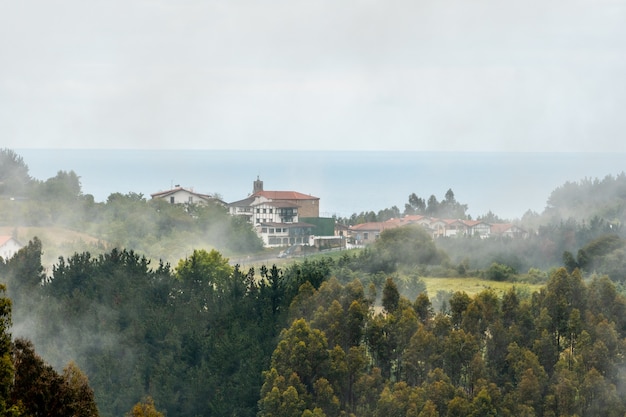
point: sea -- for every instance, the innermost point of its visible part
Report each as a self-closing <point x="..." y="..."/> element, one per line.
<point x="505" y="183"/>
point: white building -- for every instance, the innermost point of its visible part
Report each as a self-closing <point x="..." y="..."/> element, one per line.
<point x="181" y="195"/>
<point x="8" y="247"/>
<point x="275" y="215"/>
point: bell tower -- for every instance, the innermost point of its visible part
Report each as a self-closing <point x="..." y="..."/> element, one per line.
<point x="257" y="185"/>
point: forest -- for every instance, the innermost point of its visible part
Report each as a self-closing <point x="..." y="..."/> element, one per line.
<point x="210" y="339"/>
<point x="110" y="330"/>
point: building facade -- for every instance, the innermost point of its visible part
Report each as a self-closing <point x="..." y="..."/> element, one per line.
<point x="181" y="195"/>
<point x="275" y="214"/>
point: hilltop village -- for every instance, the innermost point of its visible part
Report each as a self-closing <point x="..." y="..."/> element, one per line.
<point x="287" y="218"/>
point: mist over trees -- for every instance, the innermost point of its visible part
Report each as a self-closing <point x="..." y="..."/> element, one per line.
<point x="156" y="228"/>
<point x="210" y="339"/>
<point x="508" y="356"/>
<point x="14" y="177"/>
<point x="357" y="334"/>
<point x="194" y="339"/>
<point x="31" y="387"/>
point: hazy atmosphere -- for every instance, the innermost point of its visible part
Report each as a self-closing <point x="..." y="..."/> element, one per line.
<point x="369" y="75"/>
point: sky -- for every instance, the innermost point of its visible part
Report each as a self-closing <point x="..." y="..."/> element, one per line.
<point x="418" y="75"/>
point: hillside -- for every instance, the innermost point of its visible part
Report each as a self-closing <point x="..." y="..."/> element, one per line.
<point x="56" y="241"/>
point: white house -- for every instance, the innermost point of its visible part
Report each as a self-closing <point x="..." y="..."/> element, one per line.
<point x="8" y="247"/>
<point x="477" y="228"/>
<point x="508" y="230"/>
<point x="181" y="195"/>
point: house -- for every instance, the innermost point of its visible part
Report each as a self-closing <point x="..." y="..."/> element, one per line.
<point x="437" y="227"/>
<point x="366" y="233"/>
<point x="8" y="247"/>
<point x="306" y="204"/>
<point x="284" y="234"/>
<point x="181" y="195"/>
<point x="276" y="214"/>
<point x="454" y="227"/>
<point x="292" y="204"/>
<point x="341" y="229"/>
<point x="415" y="219"/>
<point x="477" y="228"/>
<point x="507" y="230"/>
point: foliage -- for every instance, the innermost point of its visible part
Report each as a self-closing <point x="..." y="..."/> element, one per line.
<point x="29" y="386"/>
<point x="489" y="356"/>
<point x="7" y="370"/>
<point x="156" y="228"/>
<point x="15" y="181"/>
<point x="589" y="198"/>
<point x="210" y="339"/>
<point x="447" y="208"/>
<point x="404" y="247"/>
<point x="499" y="272"/>
<point x="39" y="390"/>
<point x="145" y="408"/>
<point x="195" y="339"/>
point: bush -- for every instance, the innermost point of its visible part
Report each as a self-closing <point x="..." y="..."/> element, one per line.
<point x="499" y="272"/>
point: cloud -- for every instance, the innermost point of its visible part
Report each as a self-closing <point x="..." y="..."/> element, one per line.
<point x="365" y="74"/>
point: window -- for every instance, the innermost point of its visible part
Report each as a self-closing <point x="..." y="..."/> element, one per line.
<point x="258" y="210"/>
<point x="190" y="199"/>
<point x="271" y="211"/>
<point x="365" y="235"/>
<point x="272" y="230"/>
<point x="172" y="201"/>
<point x="264" y="230"/>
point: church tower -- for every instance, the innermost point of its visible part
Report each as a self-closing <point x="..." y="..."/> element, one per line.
<point x="257" y="185"/>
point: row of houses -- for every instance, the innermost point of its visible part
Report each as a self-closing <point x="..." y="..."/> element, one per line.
<point x="365" y="233"/>
<point x="285" y="218"/>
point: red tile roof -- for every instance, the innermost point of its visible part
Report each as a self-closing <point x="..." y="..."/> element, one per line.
<point x="472" y="223"/>
<point x="379" y="226"/>
<point x="285" y="195"/>
<point x="412" y="218"/>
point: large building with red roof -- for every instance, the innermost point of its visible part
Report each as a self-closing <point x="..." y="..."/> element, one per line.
<point x="276" y="214"/>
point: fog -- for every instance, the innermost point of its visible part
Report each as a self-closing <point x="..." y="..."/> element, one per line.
<point x="425" y="76"/>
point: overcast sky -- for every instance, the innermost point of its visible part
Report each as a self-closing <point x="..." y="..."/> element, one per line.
<point x="498" y="75"/>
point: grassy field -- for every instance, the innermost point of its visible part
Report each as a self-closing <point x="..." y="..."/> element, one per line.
<point x="472" y="285"/>
<point x="63" y="242"/>
<point x="55" y="241"/>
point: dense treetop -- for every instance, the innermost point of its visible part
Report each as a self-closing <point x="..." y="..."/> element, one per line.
<point x="319" y="337"/>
